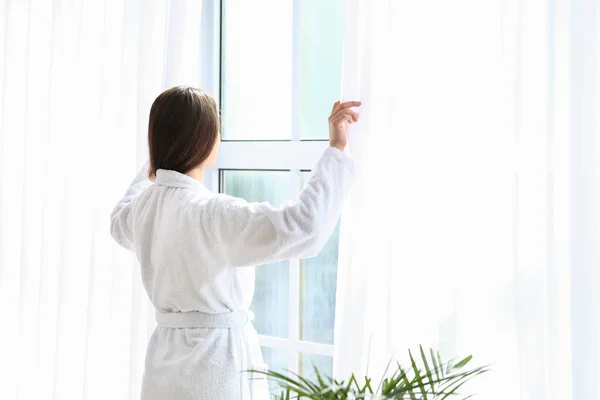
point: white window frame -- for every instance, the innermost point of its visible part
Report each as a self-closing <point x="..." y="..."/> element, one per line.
<point x="295" y="155"/>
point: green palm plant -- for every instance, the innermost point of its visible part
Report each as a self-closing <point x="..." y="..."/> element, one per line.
<point x="427" y="378"/>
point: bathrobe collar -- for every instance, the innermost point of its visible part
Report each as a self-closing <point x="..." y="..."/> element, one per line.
<point x="170" y="178"/>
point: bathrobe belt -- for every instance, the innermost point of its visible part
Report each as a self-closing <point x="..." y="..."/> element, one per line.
<point x="197" y="319"/>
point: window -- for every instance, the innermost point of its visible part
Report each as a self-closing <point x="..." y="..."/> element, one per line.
<point x="278" y="78"/>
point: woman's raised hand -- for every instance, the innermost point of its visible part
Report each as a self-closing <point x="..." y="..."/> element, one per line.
<point x="341" y="116"/>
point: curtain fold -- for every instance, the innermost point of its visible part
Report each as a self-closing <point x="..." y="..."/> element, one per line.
<point x="77" y="80"/>
<point x="473" y="225"/>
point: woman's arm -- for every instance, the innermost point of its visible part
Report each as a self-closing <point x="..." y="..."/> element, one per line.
<point x="120" y="219"/>
<point x="253" y="233"/>
<point x="256" y="233"/>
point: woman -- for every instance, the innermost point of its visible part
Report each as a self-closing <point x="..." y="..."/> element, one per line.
<point x="196" y="248"/>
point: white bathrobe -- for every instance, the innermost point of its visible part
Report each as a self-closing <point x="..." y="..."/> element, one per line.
<point x="196" y="249"/>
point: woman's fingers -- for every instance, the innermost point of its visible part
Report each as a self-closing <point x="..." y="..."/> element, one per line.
<point x="347" y="104"/>
<point x="345" y="111"/>
<point x="337" y="103"/>
<point x="344" y="117"/>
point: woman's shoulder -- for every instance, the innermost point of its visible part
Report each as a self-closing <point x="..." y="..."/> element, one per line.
<point x="222" y="200"/>
<point x="226" y="203"/>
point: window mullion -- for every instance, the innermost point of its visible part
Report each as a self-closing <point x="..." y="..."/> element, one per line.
<point x="294" y="289"/>
<point x="295" y="176"/>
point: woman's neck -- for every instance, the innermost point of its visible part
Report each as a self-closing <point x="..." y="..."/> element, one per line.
<point x="197" y="174"/>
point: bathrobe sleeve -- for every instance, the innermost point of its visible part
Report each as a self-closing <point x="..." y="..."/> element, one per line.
<point x="120" y="219"/>
<point x="257" y="233"/>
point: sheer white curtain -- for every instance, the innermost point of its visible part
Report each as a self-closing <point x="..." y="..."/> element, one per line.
<point x="473" y="227"/>
<point x="77" y="79"/>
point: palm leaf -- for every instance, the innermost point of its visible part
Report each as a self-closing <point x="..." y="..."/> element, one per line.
<point x="427" y="369"/>
<point x="462" y="362"/>
<point x="436" y="365"/>
<point x="441" y="363"/>
<point x="418" y="377"/>
<point x="312" y="386"/>
<point x="387" y="368"/>
<point x="408" y="383"/>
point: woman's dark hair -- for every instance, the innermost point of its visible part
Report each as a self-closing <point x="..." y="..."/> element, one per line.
<point x="183" y="128"/>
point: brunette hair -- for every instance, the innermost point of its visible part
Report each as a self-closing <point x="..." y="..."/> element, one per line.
<point x="183" y="128"/>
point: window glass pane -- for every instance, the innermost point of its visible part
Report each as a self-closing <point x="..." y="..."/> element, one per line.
<point x="277" y="360"/>
<point x="261" y="60"/>
<point x="321" y="33"/>
<point x="318" y="284"/>
<point x="257" y="69"/>
<point x="308" y="362"/>
<point x="271" y="299"/>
